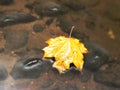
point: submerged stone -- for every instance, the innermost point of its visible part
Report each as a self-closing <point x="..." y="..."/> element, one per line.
<point x="85" y="75"/>
<point x="66" y="27"/>
<point x="6" y="2"/>
<point x="74" y="5"/>
<point x="109" y="76"/>
<point x="70" y="74"/>
<point x="96" y="57"/>
<point x="27" y="67"/>
<point x="11" y="18"/>
<point x="15" y="38"/>
<point x="49" y="9"/>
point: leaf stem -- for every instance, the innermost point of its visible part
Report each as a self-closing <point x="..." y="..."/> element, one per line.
<point x="71" y="31"/>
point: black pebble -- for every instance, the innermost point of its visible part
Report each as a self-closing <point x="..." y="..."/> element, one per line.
<point x="49" y="9"/>
<point x="85" y="75"/>
<point x="75" y="5"/>
<point x="69" y="74"/>
<point x="11" y="18"/>
<point x="15" y="39"/>
<point x="96" y="57"/>
<point x="6" y="2"/>
<point x="109" y="76"/>
<point x="66" y="27"/>
<point x="27" y="67"/>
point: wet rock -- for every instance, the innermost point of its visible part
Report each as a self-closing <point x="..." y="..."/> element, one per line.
<point x="3" y="73"/>
<point x="77" y="5"/>
<point x="109" y="76"/>
<point x="11" y="18"/>
<point x="6" y="2"/>
<point x="27" y="67"/>
<point x="85" y="75"/>
<point x="47" y="83"/>
<point x="49" y="9"/>
<point x="66" y="27"/>
<point x="96" y="57"/>
<point x="80" y="35"/>
<point x="15" y="38"/>
<point x="68" y="75"/>
<point x="38" y="28"/>
<point x="21" y="53"/>
<point x="73" y="4"/>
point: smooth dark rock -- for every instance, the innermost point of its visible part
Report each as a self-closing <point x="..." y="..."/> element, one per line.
<point x="27" y="67"/>
<point x="68" y="74"/>
<point x="49" y="9"/>
<point x="66" y="27"/>
<point x="15" y="38"/>
<point x="96" y="57"/>
<point x="38" y="28"/>
<point x="85" y="75"/>
<point x="3" y="73"/>
<point x="6" y="2"/>
<point x="109" y="76"/>
<point x="74" y="5"/>
<point x="11" y="18"/>
<point x="47" y="83"/>
<point x="21" y="53"/>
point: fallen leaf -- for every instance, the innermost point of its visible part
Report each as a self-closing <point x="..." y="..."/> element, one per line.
<point x="65" y="51"/>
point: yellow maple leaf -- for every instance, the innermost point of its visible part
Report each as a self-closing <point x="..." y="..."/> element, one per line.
<point x="65" y="51"/>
